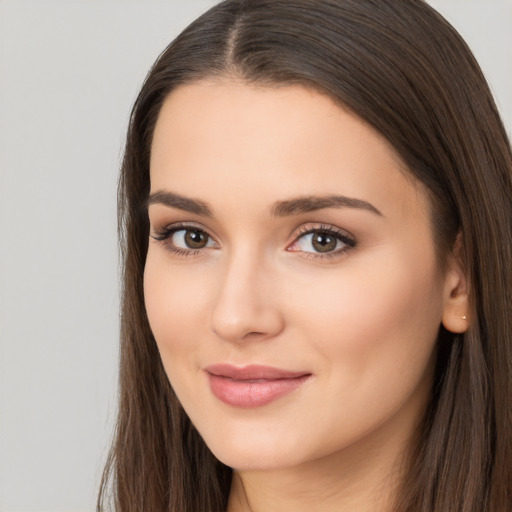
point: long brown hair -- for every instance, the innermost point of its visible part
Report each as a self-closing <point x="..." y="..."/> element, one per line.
<point x="401" y="67"/>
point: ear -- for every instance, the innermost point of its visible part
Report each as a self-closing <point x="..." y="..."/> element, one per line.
<point x="456" y="300"/>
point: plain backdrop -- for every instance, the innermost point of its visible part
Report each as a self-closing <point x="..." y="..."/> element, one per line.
<point x="69" y="72"/>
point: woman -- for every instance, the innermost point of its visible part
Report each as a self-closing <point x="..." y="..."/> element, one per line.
<point x="315" y="206"/>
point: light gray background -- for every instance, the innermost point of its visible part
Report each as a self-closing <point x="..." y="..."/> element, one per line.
<point x="69" y="72"/>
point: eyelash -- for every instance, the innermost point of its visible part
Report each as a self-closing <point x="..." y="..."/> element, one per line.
<point x="343" y="236"/>
<point x="164" y="235"/>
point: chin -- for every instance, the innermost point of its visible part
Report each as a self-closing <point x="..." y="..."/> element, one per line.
<point x="244" y="452"/>
<point x="254" y="460"/>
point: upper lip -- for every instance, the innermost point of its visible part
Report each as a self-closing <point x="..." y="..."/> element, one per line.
<point x="252" y="372"/>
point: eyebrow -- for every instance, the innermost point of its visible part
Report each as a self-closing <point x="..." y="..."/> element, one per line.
<point x="182" y="203"/>
<point x="307" y="204"/>
<point x="295" y="206"/>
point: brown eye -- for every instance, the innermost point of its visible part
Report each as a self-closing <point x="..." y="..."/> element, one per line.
<point x="184" y="240"/>
<point x="195" y="239"/>
<point x="323" y="242"/>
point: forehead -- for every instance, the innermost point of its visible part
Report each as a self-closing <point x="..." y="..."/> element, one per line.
<point x="245" y="139"/>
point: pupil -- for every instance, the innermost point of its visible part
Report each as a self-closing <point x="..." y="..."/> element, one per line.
<point x="323" y="242"/>
<point x="196" y="239"/>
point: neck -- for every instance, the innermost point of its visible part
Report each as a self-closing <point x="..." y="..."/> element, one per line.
<point x="250" y="493"/>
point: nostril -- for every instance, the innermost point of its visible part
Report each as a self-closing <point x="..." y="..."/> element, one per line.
<point x="254" y="325"/>
<point x="243" y="309"/>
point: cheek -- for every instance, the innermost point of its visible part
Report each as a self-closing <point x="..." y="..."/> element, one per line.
<point x="176" y="305"/>
<point x="373" y="318"/>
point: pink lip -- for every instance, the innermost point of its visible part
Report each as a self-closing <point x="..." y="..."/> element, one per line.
<point x="252" y="386"/>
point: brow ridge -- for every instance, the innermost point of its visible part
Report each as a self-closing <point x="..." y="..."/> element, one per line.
<point x="289" y="207"/>
<point x="307" y="204"/>
<point x="174" y="200"/>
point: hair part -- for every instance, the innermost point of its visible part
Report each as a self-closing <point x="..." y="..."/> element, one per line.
<point x="404" y="70"/>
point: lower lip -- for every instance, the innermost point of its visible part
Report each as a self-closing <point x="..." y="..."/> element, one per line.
<point x="246" y="393"/>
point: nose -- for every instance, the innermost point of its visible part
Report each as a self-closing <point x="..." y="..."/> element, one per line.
<point x="246" y="305"/>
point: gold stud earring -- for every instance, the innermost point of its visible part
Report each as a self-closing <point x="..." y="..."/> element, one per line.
<point x="464" y="317"/>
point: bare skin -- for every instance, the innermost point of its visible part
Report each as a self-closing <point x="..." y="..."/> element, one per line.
<point x="286" y="232"/>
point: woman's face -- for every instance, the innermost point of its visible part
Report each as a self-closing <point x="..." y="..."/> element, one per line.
<point x="291" y="280"/>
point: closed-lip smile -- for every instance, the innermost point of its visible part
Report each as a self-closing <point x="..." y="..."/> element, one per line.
<point x="252" y="385"/>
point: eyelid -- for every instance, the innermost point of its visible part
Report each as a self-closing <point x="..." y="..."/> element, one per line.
<point x="341" y="234"/>
<point x="168" y="229"/>
<point x="311" y="227"/>
<point x="163" y="235"/>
